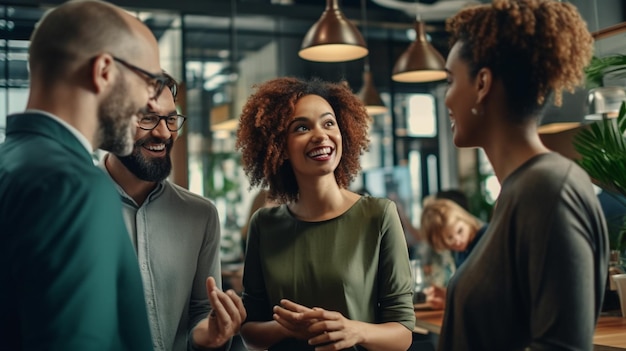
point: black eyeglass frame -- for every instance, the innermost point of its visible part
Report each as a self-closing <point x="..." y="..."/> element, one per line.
<point x="158" y="81"/>
<point x="177" y="115"/>
<point x="171" y="84"/>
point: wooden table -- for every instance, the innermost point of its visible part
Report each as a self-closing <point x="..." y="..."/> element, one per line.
<point x="428" y="321"/>
<point x="610" y="332"/>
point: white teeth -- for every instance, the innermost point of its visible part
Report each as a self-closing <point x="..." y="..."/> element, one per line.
<point x="320" y="151"/>
<point x="158" y="147"/>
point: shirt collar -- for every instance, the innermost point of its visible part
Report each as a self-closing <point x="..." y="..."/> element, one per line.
<point x="81" y="138"/>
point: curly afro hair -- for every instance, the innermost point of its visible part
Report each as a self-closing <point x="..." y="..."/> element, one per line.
<point x="262" y="134"/>
<point x="536" y="47"/>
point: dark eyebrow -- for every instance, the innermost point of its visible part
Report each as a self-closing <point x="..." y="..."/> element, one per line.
<point x="300" y="119"/>
<point x="297" y="119"/>
<point x="152" y="112"/>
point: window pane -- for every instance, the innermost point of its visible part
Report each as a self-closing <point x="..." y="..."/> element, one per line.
<point x="421" y="115"/>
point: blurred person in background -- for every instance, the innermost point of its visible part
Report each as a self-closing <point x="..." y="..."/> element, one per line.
<point x="447" y="226"/>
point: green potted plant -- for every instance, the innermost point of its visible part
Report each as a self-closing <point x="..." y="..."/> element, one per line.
<point x="613" y="66"/>
<point x="602" y="145"/>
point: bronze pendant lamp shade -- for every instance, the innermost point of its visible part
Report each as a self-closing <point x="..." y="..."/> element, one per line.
<point x="604" y="102"/>
<point x="333" y="38"/>
<point x="421" y="62"/>
<point x="374" y="105"/>
<point x="570" y="115"/>
<point x="369" y="95"/>
<point x="580" y="108"/>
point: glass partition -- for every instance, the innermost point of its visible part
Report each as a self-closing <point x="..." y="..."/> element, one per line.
<point x="15" y="27"/>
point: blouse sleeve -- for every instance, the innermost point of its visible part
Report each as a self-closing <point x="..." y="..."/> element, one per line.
<point x="395" y="288"/>
<point x="557" y="266"/>
<point x="254" y="295"/>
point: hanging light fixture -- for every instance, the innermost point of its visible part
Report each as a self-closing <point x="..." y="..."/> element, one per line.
<point x="229" y="121"/>
<point x="580" y="108"/>
<point x="333" y="38"/>
<point x="604" y="102"/>
<point x="368" y="93"/>
<point x="421" y="62"/>
<point x="570" y="115"/>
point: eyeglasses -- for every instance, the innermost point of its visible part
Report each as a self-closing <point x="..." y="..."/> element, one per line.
<point x="171" y="84"/>
<point x="156" y="81"/>
<point x="150" y="121"/>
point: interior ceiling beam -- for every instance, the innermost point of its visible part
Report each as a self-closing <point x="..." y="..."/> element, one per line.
<point x="223" y="8"/>
<point x="610" y="31"/>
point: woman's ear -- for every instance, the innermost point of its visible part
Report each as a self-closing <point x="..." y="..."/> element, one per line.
<point x="484" y="80"/>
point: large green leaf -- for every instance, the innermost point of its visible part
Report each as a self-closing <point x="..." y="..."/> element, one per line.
<point x="599" y="68"/>
<point x="602" y="147"/>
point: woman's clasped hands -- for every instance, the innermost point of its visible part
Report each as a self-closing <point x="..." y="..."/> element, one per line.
<point x="327" y="330"/>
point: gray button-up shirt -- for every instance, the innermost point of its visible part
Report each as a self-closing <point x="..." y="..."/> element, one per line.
<point x="177" y="238"/>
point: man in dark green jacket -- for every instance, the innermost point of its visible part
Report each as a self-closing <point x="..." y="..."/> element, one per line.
<point x="70" y="279"/>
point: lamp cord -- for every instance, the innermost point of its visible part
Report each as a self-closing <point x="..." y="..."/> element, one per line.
<point x="233" y="33"/>
<point x="366" y="61"/>
<point x="418" y="16"/>
<point x="234" y="64"/>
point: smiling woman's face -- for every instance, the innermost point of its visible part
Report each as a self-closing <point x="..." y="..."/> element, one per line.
<point x="460" y="99"/>
<point x="314" y="145"/>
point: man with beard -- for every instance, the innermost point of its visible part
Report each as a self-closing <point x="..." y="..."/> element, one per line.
<point x="70" y="275"/>
<point x="176" y="234"/>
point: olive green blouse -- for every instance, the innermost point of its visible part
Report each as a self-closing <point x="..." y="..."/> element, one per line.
<point x="356" y="264"/>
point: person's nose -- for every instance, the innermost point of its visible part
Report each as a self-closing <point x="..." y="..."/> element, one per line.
<point x="457" y="239"/>
<point x="161" y="130"/>
<point x="319" y="135"/>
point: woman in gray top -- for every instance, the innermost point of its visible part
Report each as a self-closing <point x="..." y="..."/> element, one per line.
<point x="328" y="269"/>
<point x="536" y="278"/>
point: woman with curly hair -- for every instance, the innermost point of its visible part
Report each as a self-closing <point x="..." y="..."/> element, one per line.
<point x="328" y="269"/>
<point x="537" y="276"/>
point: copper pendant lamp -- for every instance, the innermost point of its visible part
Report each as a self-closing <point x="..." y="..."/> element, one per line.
<point x="374" y="105"/>
<point x="421" y="62"/>
<point x="369" y="95"/>
<point x="570" y="115"/>
<point x="333" y="38"/>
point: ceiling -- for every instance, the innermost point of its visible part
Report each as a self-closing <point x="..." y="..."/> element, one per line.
<point x="379" y="12"/>
<point x="256" y="22"/>
<point x="386" y="20"/>
<point x="294" y="16"/>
